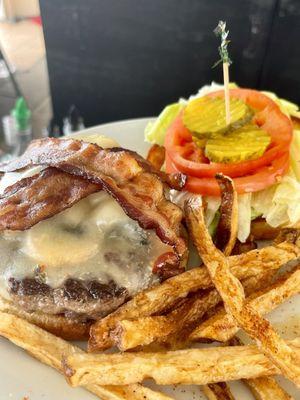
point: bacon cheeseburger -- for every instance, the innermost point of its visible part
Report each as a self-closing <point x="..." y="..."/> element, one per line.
<point x="83" y="229"/>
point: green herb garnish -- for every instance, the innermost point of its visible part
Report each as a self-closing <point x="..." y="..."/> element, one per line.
<point x="220" y="30"/>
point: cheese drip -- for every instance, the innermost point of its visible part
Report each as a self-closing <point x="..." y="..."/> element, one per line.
<point x="93" y="240"/>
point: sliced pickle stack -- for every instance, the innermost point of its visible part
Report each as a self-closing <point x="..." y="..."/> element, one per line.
<point x="246" y="143"/>
<point x="205" y="116"/>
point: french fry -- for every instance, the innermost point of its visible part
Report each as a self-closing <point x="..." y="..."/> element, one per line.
<point x="267" y="388"/>
<point x="156" y="156"/>
<point x="264" y="388"/>
<point x="143" y="331"/>
<point x="162" y="297"/>
<point x="174" y="328"/>
<point x="222" y="326"/>
<point x="227" y="228"/>
<point x="217" y="391"/>
<point x="50" y="349"/>
<point x="233" y="296"/>
<point x="191" y="366"/>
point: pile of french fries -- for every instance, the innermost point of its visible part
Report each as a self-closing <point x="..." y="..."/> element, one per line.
<point x="156" y="332"/>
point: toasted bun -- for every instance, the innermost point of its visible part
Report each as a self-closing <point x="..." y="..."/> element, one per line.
<point x="59" y="325"/>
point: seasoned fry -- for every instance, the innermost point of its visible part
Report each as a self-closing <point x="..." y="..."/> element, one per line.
<point x="143" y="331"/>
<point x="233" y="296"/>
<point x="162" y="297"/>
<point x="156" y="156"/>
<point x="217" y="391"/>
<point x="192" y="366"/>
<point x="267" y="388"/>
<point x="228" y="224"/>
<point x="50" y="349"/>
<point x="222" y="326"/>
<point x="175" y="327"/>
<point x="264" y="388"/>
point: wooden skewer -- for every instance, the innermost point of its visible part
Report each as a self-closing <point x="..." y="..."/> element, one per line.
<point x="226" y="90"/>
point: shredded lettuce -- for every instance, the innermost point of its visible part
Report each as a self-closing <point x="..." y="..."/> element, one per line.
<point x="279" y="204"/>
<point x="155" y="132"/>
<point x="244" y="216"/>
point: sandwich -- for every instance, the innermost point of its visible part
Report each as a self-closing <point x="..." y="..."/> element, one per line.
<point x="259" y="150"/>
<point x="84" y="226"/>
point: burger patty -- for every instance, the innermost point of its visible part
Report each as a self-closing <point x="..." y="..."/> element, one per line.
<point x="84" y="300"/>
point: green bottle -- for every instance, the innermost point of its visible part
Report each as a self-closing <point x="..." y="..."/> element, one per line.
<point x="22" y="119"/>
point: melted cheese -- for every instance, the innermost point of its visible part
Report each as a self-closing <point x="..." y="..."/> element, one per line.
<point x="94" y="239"/>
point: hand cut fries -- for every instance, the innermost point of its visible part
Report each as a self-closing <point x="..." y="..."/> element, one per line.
<point x="50" y="350"/>
<point x="233" y="296"/>
<point x="193" y="366"/>
<point x="143" y="331"/>
<point x="217" y="391"/>
<point x="174" y="328"/>
<point x="162" y="297"/>
<point x="222" y="326"/>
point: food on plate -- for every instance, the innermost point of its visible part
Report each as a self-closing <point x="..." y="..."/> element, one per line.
<point x="50" y="350"/>
<point x="59" y="185"/>
<point x="83" y="229"/>
<point x="259" y="150"/>
<point x="191" y="366"/>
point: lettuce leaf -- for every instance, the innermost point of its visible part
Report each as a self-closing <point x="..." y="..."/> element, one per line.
<point x="155" y="132"/>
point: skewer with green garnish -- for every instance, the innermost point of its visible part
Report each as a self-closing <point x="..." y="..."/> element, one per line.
<point x="220" y="31"/>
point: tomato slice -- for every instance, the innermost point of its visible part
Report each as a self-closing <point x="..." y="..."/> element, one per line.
<point x="183" y="152"/>
<point x="261" y="179"/>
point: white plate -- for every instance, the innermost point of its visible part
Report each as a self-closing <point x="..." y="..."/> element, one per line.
<point x="22" y="376"/>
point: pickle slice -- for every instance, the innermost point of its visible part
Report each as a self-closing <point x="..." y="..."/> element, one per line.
<point x="246" y="143"/>
<point x="206" y="117"/>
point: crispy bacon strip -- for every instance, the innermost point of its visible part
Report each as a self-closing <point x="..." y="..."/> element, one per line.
<point x="41" y="196"/>
<point x="175" y="181"/>
<point x="228" y="223"/>
<point x="125" y="176"/>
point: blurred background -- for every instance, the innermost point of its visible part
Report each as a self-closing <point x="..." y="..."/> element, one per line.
<point x="104" y="60"/>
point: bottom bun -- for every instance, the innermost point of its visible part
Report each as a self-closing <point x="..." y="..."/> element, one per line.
<point x="59" y="325"/>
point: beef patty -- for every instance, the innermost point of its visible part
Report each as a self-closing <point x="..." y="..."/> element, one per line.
<point x="84" y="300"/>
